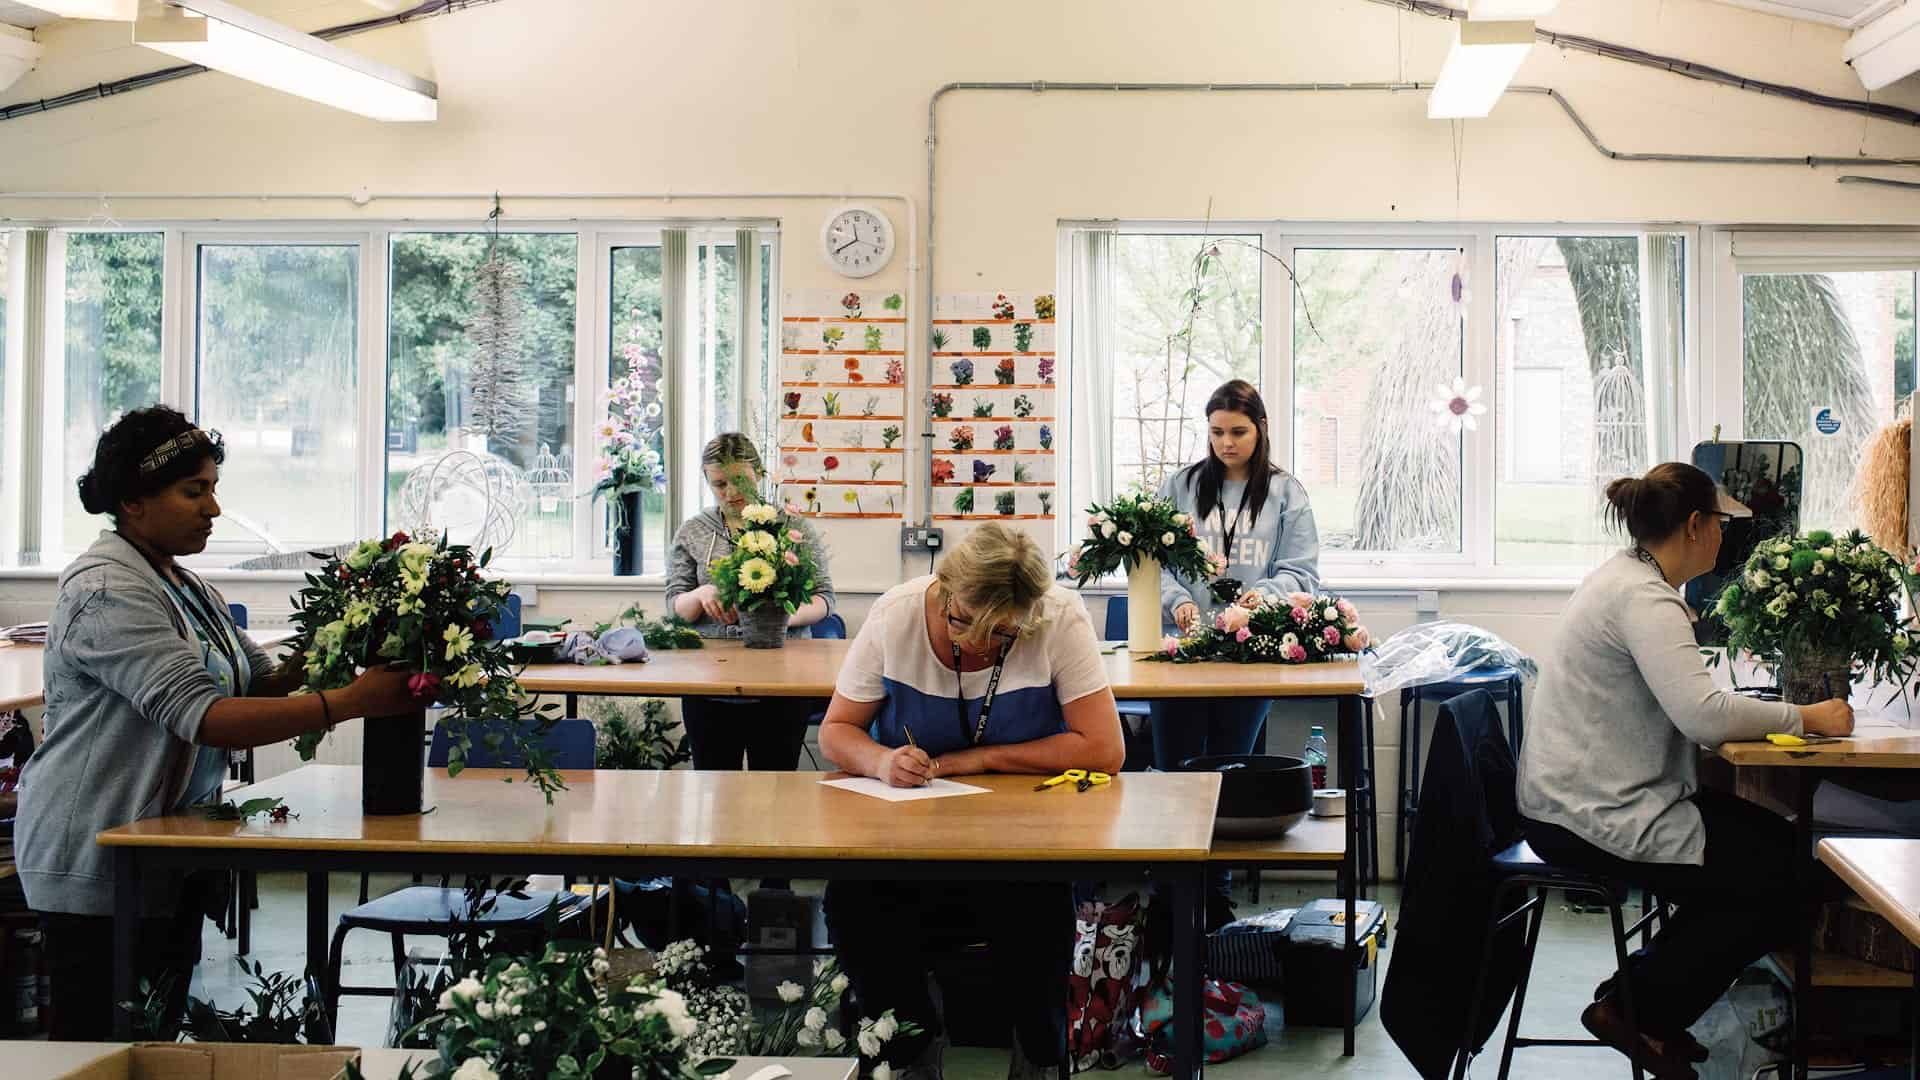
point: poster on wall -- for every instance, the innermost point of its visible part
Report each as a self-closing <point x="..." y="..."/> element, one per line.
<point x="993" y="404"/>
<point x="842" y="404"/>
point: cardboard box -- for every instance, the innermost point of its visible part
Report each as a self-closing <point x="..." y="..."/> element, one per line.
<point x="212" y="1061"/>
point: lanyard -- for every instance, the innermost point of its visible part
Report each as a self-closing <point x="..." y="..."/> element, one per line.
<point x="1226" y="547"/>
<point x="986" y="706"/>
<point x="197" y="609"/>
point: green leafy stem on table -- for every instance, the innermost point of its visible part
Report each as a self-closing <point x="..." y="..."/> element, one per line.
<point x="228" y="810"/>
<point x="671" y="632"/>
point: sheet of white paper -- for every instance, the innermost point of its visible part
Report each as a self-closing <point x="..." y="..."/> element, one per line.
<point x="880" y="789"/>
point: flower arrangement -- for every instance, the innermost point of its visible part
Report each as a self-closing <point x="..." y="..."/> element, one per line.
<point x="962" y="372"/>
<point x="1138" y="526"/>
<point x="942" y="405"/>
<point x="1821" y="595"/>
<point x="1002" y="307"/>
<point x="1003" y="437"/>
<point x="631" y="436"/>
<point x="804" y="1025"/>
<point x="1043" y="306"/>
<point x="961" y="437"/>
<point x="772" y="563"/>
<point x="425" y="606"/>
<point x="556" y="1016"/>
<point x="1003" y="372"/>
<point x="1299" y="629"/>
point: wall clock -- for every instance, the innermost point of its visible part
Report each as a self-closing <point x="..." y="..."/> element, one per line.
<point x="857" y="241"/>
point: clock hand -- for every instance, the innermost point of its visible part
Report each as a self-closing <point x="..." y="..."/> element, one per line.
<point x="848" y="244"/>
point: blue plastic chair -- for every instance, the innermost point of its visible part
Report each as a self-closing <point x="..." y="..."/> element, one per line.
<point x="1139" y="747"/>
<point x="506" y="622"/>
<point x="429" y="910"/>
<point x="1412" y="699"/>
<point x="832" y="628"/>
<point x="239" y="614"/>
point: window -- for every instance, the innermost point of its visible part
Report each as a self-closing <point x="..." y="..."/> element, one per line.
<point x="438" y="316"/>
<point x="1838" y="343"/>
<point x="112" y="365"/>
<point x="276" y="351"/>
<point x="638" y="329"/>
<point x="1588" y="332"/>
<point x="1376" y="332"/>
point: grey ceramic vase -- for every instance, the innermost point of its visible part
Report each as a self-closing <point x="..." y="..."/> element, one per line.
<point x="764" y="627"/>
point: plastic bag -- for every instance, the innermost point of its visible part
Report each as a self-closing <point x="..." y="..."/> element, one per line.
<point x="1439" y="652"/>
<point x="1743" y="1031"/>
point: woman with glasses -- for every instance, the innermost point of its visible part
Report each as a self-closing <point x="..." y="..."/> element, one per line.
<point x="1257" y="516"/>
<point x="1607" y="775"/>
<point x="722" y="730"/>
<point x="985" y="666"/>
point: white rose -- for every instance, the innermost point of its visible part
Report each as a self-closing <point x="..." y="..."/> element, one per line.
<point x="1819" y="567"/>
<point x="839" y="984"/>
<point x="883" y="1071"/>
<point x="1107" y="529"/>
<point x="886" y="1027"/>
<point x="484" y="1009"/>
<point x="1759" y="579"/>
<point x="790" y="992"/>
<point x="475" y="1069"/>
<point x="1826" y="553"/>
<point x="834" y="1039"/>
<point x="524" y="1039"/>
<point x="1782" y="549"/>
<point x="539" y="1025"/>
<point x="465" y="990"/>
<point x="1331" y="614"/>
<point x="1780" y="562"/>
<point x="1181" y="519"/>
<point x="1125" y="538"/>
<point x="807" y="1037"/>
<point x="816" y="1018"/>
<point x="869" y="1043"/>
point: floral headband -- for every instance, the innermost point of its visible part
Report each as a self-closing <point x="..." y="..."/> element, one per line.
<point x="175" y="446"/>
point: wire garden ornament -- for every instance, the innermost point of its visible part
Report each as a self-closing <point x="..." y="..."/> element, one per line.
<point x="469" y="496"/>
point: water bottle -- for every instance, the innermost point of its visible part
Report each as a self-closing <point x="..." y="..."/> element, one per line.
<point x="1315" y="756"/>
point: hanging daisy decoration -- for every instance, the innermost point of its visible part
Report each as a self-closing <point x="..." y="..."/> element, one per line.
<point x="1457" y="406"/>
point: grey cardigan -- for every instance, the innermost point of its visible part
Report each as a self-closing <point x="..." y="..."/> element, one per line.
<point x="705" y="538"/>
<point x="126" y="691"/>
<point x="1624" y="700"/>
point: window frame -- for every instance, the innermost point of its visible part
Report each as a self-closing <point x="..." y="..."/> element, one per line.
<point x="1688" y="403"/>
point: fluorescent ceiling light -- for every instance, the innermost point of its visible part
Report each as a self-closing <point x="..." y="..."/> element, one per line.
<point x="1510" y="9"/>
<point x="218" y="35"/>
<point x="1483" y="60"/>
<point x="115" y="10"/>
<point x="1887" y="49"/>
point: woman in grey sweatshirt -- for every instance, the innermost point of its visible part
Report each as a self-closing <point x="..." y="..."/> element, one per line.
<point x="1607" y="775"/>
<point x="1258" y="517"/>
<point x="148" y="684"/>
<point x="768" y="733"/>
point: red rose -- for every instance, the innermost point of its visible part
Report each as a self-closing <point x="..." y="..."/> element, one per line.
<point x="396" y="540"/>
<point x="483" y="630"/>
<point x="425" y="686"/>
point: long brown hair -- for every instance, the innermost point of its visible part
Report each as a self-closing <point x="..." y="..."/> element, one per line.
<point x="1236" y="395"/>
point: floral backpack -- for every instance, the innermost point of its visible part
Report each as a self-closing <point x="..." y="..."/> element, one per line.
<point x="1232" y="1022"/>
<point x="1104" y="988"/>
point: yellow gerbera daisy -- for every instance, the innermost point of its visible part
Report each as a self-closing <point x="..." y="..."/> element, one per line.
<point x="756" y="575"/>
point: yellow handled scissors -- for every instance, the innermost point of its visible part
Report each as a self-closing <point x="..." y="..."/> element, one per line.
<point x="1080" y="778"/>
<point x="1779" y="739"/>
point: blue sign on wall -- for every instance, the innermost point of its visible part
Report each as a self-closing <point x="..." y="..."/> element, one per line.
<point x="1825" y="422"/>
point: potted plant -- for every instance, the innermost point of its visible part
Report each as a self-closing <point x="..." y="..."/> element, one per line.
<point x="1022" y="406"/>
<point x="1141" y="533"/>
<point x="871" y="339"/>
<point x="982" y="408"/>
<point x="942" y="470"/>
<point x="1043" y="306"/>
<point x="769" y="574"/>
<point x="1819" y="607"/>
<point x="1046" y="370"/>
<point x="896" y="372"/>
<point x="1046" y="436"/>
<point x="1002" y="307"/>
<point x="424" y="606"/>
<point x="983" y="471"/>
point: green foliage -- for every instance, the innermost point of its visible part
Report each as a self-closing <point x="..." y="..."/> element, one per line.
<point x="1819" y="593"/>
<point x="278" y="1012"/>
<point x="645" y="742"/>
<point x="670" y="632"/>
<point x="114" y="303"/>
<point x="1139" y="526"/>
<point x="227" y="810"/>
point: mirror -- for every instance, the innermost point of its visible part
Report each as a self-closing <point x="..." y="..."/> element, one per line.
<point x="1764" y="475"/>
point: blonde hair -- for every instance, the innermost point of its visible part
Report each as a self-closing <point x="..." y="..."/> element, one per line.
<point x="732" y="448"/>
<point x="1000" y="575"/>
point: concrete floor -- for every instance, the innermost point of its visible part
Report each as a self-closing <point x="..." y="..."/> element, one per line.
<point x="1574" y="955"/>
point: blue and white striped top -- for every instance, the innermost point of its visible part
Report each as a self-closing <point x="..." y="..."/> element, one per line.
<point x="892" y="661"/>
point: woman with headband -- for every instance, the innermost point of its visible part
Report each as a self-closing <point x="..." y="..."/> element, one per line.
<point x="148" y="685"/>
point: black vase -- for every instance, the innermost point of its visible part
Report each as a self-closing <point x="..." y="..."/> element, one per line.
<point x="392" y="763"/>
<point x="626" y="537"/>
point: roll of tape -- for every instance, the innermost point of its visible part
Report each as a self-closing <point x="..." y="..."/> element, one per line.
<point x="1330" y="802"/>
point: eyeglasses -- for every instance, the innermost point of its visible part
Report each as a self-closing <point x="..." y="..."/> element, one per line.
<point x="1724" y="519"/>
<point x="964" y="627"/>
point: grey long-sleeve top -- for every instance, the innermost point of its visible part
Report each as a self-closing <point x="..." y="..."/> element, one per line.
<point x="1275" y="554"/>
<point x="1623" y="701"/>
<point x="703" y="539"/>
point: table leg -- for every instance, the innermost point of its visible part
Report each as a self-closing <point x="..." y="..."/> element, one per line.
<point x="1188" y="991"/>
<point x="1913" y="1047"/>
<point x="317" y="924"/>
<point x="573" y="706"/>
<point x="1350" y="740"/>
<point x="126" y="921"/>
<point x="1804" y="781"/>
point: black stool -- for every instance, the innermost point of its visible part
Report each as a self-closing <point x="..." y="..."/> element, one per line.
<point x="1521" y="871"/>
<point x="1412" y="700"/>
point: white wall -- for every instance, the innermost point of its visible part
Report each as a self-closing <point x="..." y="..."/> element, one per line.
<point x="743" y="96"/>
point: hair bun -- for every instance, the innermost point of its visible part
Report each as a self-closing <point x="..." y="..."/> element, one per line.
<point x="90" y="494"/>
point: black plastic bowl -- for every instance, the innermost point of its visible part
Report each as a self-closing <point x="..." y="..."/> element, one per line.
<point x="1261" y="796"/>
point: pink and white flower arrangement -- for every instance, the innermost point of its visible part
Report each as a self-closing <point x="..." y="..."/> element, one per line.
<point x="1295" y="629"/>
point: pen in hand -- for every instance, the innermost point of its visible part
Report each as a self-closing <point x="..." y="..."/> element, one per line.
<point x="915" y="745"/>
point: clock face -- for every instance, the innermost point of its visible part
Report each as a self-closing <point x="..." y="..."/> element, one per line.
<point x="857" y="241"/>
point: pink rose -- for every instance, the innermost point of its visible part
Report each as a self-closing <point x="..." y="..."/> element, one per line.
<point x="1233" y="619"/>
<point x="1300" y="615"/>
<point x="793" y="559"/>
<point x="1243" y="634"/>
<point x="1171" y="645"/>
<point x="1345" y="607"/>
<point x="795" y="508"/>
<point x="1358" y="640"/>
<point x="1296" y="653"/>
<point x="1192" y="530"/>
<point x="1300" y="599"/>
<point x="796" y="536"/>
<point x="424" y="686"/>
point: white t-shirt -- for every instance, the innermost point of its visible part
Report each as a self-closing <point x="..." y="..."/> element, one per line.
<point x="892" y="661"/>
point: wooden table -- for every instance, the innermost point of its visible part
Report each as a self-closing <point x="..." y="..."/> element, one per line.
<point x="1871" y="747"/>
<point x="1886" y="874"/>
<point x="22" y="685"/>
<point x="808" y="668"/>
<point x="702" y="824"/>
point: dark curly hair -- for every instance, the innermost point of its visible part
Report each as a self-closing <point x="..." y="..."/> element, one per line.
<point x="116" y="477"/>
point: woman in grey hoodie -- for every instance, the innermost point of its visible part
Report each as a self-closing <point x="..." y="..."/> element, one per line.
<point x="1258" y="517"/>
<point x="148" y="684"/>
<point x="768" y="733"/>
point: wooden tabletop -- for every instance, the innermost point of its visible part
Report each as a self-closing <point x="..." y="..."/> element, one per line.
<point x="808" y="668"/>
<point x="1311" y="840"/>
<point x="683" y="813"/>
<point x="1886" y="874"/>
<point x="1869" y="748"/>
<point x="20" y="683"/>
